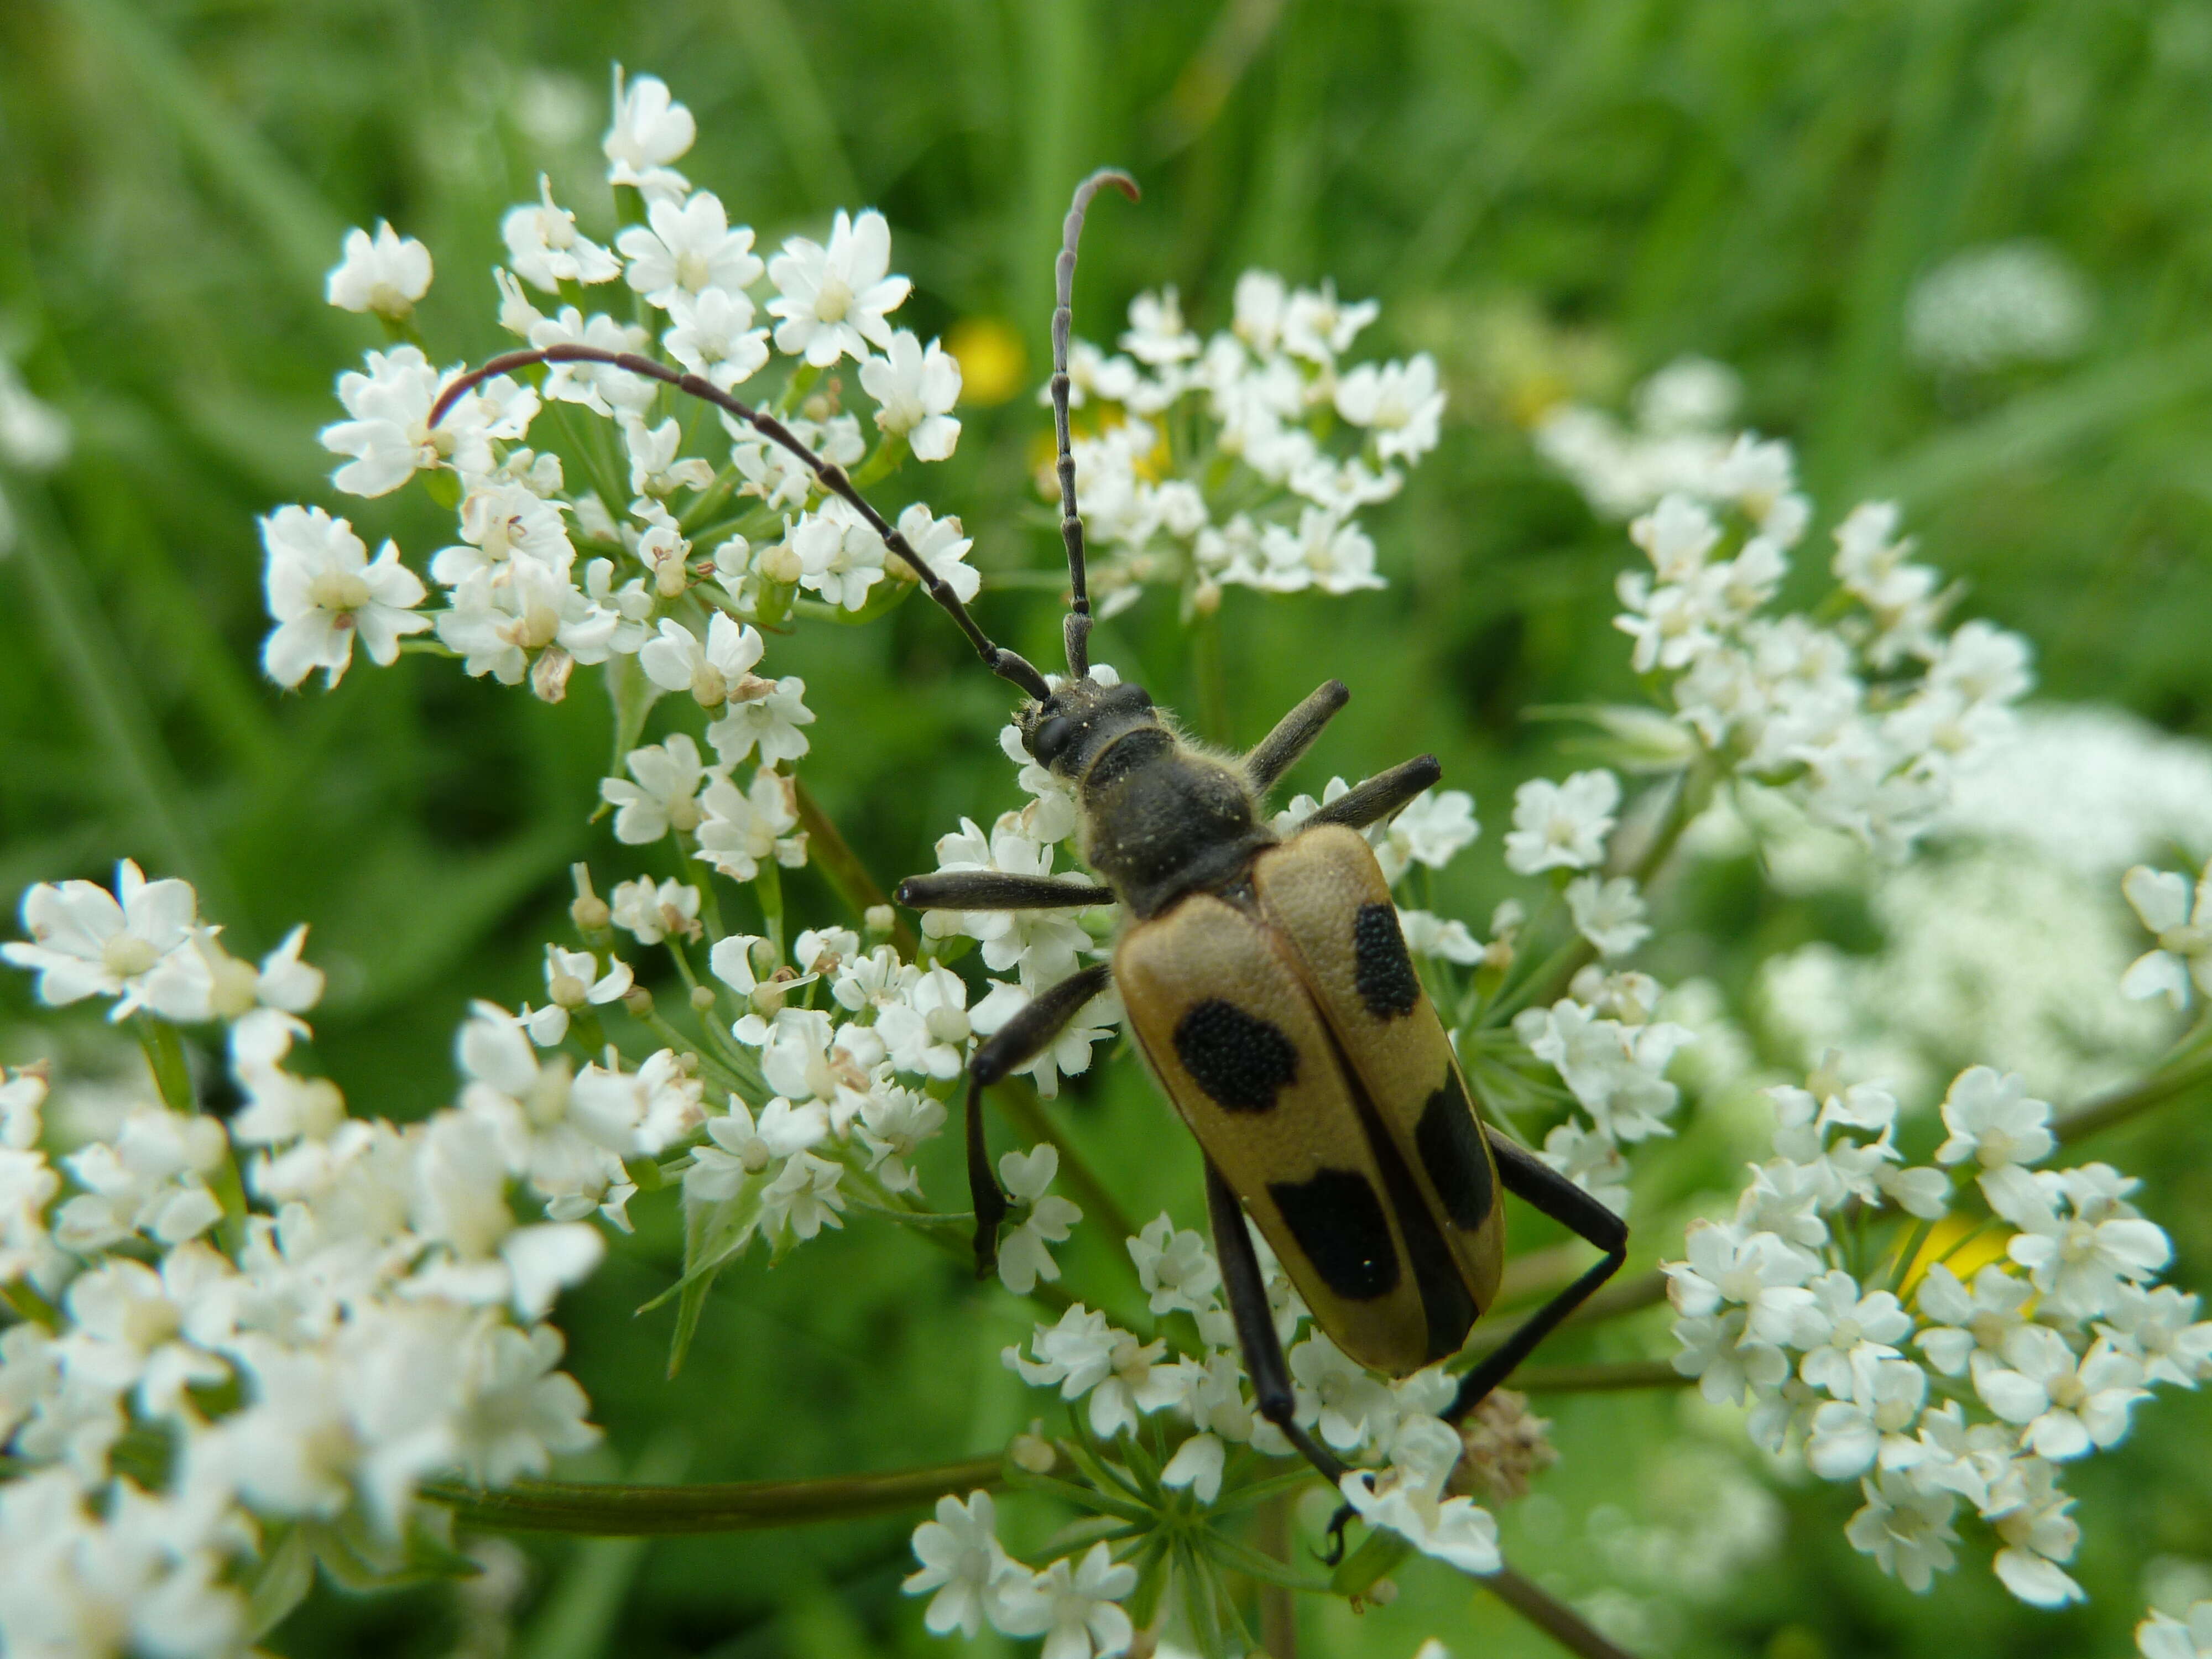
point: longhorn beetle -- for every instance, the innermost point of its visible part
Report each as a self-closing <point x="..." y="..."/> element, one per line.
<point x="1266" y="981"/>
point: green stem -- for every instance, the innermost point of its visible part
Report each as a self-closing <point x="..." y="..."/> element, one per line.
<point x="1213" y="687"/>
<point x="834" y="856"/>
<point x="610" y="1510"/>
<point x="1599" y="1379"/>
<point x="768" y="886"/>
<point x="165" y="1057"/>
<point x="2101" y="1113"/>
<point x="1554" y="1618"/>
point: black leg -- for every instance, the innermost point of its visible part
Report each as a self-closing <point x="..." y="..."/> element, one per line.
<point x="1247" y="1290"/>
<point x="1293" y="735"/>
<point x="1381" y="795"/>
<point x="991" y="890"/>
<point x="1535" y="1183"/>
<point x="1016" y="1042"/>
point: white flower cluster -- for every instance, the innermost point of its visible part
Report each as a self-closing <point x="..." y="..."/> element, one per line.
<point x="2011" y="1331"/>
<point x="544" y="576"/>
<point x="1210" y="463"/>
<point x="2182" y="959"/>
<point x="1118" y="1381"/>
<point x="309" y="1313"/>
<point x="1992" y="307"/>
<point x="1865" y="720"/>
<point x="1073" y="1605"/>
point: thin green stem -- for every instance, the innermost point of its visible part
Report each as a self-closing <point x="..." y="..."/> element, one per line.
<point x="2157" y="1090"/>
<point x="610" y="1510"/>
<point x="1554" y="1618"/>
<point x="834" y="856"/>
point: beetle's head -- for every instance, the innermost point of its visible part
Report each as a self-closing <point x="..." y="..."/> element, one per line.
<point x="1067" y="730"/>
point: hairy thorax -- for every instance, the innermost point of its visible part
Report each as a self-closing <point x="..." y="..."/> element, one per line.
<point x="1161" y="817"/>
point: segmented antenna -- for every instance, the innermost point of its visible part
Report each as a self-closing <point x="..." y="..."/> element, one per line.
<point x="1063" y="321"/>
<point x="1006" y="665"/>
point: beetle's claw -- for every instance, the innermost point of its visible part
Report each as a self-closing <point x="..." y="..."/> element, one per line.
<point x="1345" y="1516"/>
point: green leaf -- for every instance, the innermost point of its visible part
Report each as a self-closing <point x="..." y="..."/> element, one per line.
<point x="281" y="1582"/>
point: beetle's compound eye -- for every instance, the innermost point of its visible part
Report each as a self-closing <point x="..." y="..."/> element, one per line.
<point x="1050" y="739"/>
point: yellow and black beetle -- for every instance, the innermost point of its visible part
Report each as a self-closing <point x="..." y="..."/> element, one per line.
<point x="1267" y="980"/>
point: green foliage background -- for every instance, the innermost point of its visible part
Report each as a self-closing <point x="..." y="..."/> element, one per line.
<point x="1757" y="180"/>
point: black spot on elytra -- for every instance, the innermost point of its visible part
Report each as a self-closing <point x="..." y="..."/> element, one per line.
<point x="1451" y="1143"/>
<point x="1338" y="1224"/>
<point x="1381" y="971"/>
<point x="1239" y="1058"/>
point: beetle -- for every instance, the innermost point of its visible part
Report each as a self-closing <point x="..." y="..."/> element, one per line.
<point x="1267" y="980"/>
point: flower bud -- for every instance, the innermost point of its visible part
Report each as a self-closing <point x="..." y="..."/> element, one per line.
<point x="703" y="999"/>
<point x="639" y="1001"/>
<point x="879" y="921"/>
<point x="780" y="563"/>
<point x="1030" y="1450"/>
<point x="590" y="912"/>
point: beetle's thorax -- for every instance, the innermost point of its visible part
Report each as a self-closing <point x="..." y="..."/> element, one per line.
<point x="1160" y="818"/>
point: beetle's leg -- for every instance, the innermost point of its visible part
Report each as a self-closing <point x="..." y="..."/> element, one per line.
<point x="1294" y="734"/>
<point x="1247" y="1290"/>
<point x="1016" y="1042"/>
<point x="1382" y="795"/>
<point x="989" y="889"/>
<point x="1535" y="1183"/>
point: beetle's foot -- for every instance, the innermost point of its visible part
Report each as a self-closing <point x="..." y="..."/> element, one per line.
<point x="1345" y="1516"/>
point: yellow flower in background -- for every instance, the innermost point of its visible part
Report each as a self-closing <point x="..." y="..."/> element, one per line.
<point x="993" y="365"/>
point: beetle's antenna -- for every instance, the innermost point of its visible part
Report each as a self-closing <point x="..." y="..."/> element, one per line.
<point x="1063" y="320"/>
<point x="1006" y="665"/>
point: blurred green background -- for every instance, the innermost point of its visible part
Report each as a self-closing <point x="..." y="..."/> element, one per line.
<point x="1556" y="196"/>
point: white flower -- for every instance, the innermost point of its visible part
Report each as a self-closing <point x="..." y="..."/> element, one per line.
<point x="1176" y="1268"/>
<point x="1023" y="1256"/>
<point x="927" y="1031"/>
<point x="1401" y="404"/>
<point x="688" y="247"/>
<point x="1728" y="1363"/>
<point x="1617" y="1072"/>
<point x="1974" y="1327"/>
<point x="1844" y="1334"/>
<point x="666" y="795"/>
<point x="1073" y="1609"/>
<point x="1408" y="1499"/>
<point x="386" y="274"/>
<point x="962" y="1561"/>
<point x="655" y="469"/>
<point x="389" y="437"/>
<point x="1325" y="552"/>
<point x="2078" y="1260"/>
<point x="1608" y="913"/>
<point x="653" y="914"/>
<point x="503" y="519"/>
<point x="1337" y="1395"/>
<point x="2039" y="1534"/>
<point x="1083" y="1354"/>
<point x="676" y="661"/>
<point x="833" y="300"/>
<point x="1428" y="934"/>
<point x="893" y="1124"/>
<point x="528" y="618"/>
<point x="323" y="591"/>
<point x="87" y="942"/>
<point x="1592" y="1160"/>
<point x="803" y="1199"/>
<point x="1320" y="327"/>
<point x="1847" y="1434"/>
<point x="803" y="1057"/>
<point x="2160" y="1328"/>
<point x="914" y="391"/>
<point x="742" y="1147"/>
<point x="2161" y="1636"/>
<point x="712" y="334"/>
<point x="1042" y="945"/>
<point x="545" y="250"/>
<point x="650" y="130"/>
<point x="1760" y="1272"/>
<point x="1157" y="335"/>
<point x="521" y="1410"/>
<point x="939" y="544"/>
<point x="1905" y="1530"/>
<point x="2068" y="1405"/>
<point x="1561" y="825"/>
<point x="598" y="387"/>
<point x="741" y="830"/>
<point x="1434" y="828"/>
<point x="2184" y="952"/>
<point x="151" y="1178"/>
<point x="573" y="981"/>
<point x="1992" y="1120"/>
